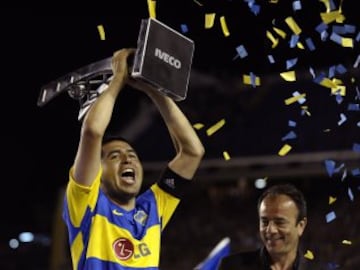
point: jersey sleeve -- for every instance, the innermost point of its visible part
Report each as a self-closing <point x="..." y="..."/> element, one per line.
<point x="80" y="198"/>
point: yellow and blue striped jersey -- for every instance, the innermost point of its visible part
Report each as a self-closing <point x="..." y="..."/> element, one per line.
<point x="103" y="236"/>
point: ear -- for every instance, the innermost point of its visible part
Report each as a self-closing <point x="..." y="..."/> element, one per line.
<point x="301" y="226"/>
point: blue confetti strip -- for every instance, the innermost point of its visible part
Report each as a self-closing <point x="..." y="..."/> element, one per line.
<point x="241" y="51"/>
<point x="330" y="216"/>
<point x="289" y="136"/>
<point x="356" y="147"/>
<point x="184" y="28"/>
<point x="310" y="44"/>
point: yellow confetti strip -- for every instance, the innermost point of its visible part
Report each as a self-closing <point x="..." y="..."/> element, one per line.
<point x="332" y="199"/>
<point x="291" y="100"/>
<point x="274" y="40"/>
<point x="101" y="31"/>
<point x="247" y="80"/>
<point x="347" y="42"/>
<point x="293" y="25"/>
<point x="210" y="131"/>
<point x="209" y="20"/>
<point x="288" y="76"/>
<point x="224" y="26"/>
<point x="329" y="17"/>
<point x="198" y="126"/>
<point x="346" y="242"/>
<point x="300" y="45"/>
<point x="152" y="8"/>
<point x="309" y="255"/>
<point x="328" y="83"/>
<point x="284" y="150"/>
<point x="226" y="155"/>
<point x="280" y="32"/>
<point x="341" y="90"/>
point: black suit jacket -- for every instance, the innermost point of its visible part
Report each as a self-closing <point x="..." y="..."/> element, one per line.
<point x="256" y="260"/>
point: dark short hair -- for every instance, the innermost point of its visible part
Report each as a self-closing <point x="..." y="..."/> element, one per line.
<point x="108" y="137"/>
<point x="291" y="191"/>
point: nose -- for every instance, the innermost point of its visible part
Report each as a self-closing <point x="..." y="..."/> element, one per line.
<point x="271" y="227"/>
<point x="126" y="159"/>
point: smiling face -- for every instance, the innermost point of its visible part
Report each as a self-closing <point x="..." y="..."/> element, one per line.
<point x="279" y="229"/>
<point x="122" y="172"/>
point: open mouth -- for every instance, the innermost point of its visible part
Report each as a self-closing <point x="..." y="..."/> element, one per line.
<point x="128" y="175"/>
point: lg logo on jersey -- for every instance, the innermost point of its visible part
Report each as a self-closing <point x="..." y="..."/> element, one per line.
<point x="124" y="249"/>
<point x="167" y="58"/>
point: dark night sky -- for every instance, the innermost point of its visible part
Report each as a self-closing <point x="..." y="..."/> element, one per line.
<point x="38" y="47"/>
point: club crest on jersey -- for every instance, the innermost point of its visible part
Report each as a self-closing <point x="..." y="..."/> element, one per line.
<point x="141" y="217"/>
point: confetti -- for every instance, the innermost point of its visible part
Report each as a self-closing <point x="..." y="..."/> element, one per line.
<point x="332" y="265"/>
<point x="197" y="2"/>
<point x="296" y="5"/>
<point x="330" y="216"/>
<point x="353" y="107"/>
<point x="284" y="150"/>
<point x="330" y="167"/>
<point x="300" y="98"/>
<point x="241" y="51"/>
<point x="209" y="20"/>
<point x="291" y="62"/>
<point x="210" y="131"/>
<point x="350" y="194"/>
<point x="251" y="80"/>
<point x="355" y="172"/>
<point x="293" y="25"/>
<point x="332" y="16"/>
<point x="271" y="59"/>
<point x="357" y="61"/>
<point x="152" y="8"/>
<point x="184" y="28"/>
<point x="294" y="41"/>
<point x="288" y="76"/>
<point x="304" y="110"/>
<point x="101" y="31"/>
<point x="198" y="126"/>
<point x="309" y="255"/>
<point x="280" y="32"/>
<point x="356" y="147"/>
<point x="345" y="42"/>
<point x="332" y="200"/>
<point x="226" y="155"/>
<point x="310" y="44"/>
<point x="291" y="123"/>
<point x="274" y="40"/>
<point x="342" y="120"/>
<point x="224" y="26"/>
<point x="289" y="136"/>
<point x="346" y="242"/>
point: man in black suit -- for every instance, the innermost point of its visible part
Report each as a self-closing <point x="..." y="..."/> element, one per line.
<point x="282" y="220"/>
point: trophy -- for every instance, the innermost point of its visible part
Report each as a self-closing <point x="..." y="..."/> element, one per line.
<point x="163" y="59"/>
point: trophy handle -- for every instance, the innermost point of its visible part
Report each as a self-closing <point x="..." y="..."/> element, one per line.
<point x="79" y="84"/>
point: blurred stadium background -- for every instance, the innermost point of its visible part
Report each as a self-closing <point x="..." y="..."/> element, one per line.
<point x="242" y="155"/>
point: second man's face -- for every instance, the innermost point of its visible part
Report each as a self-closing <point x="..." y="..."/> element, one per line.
<point x="278" y="227"/>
